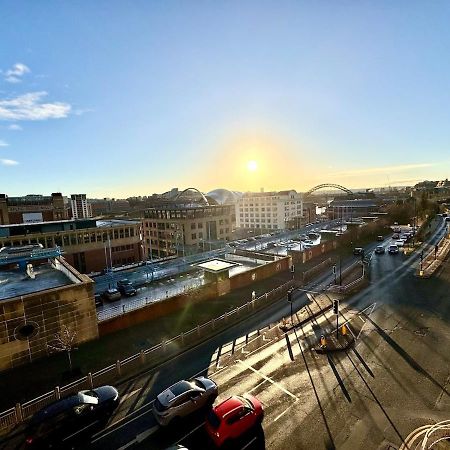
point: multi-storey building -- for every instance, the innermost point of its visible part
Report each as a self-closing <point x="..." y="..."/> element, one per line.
<point x="176" y="229"/>
<point x="268" y="210"/>
<point x="88" y="245"/>
<point x="81" y="208"/>
<point x="33" y="208"/>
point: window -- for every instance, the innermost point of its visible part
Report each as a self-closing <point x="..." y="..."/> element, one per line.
<point x="193" y="236"/>
<point x="192" y="226"/>
<point x="200" y="225"/>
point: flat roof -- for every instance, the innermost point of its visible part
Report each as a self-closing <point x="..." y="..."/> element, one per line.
<point x="216" y="265"/>
<point x="16" y="282"/>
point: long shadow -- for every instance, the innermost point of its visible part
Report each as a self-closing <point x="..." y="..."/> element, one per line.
<point x="407" y="358"/>
<point x="369" y="371"/>
<point x="329" y="444"/>
<point x="376" y="399"/>
<point x="338" y="378"/>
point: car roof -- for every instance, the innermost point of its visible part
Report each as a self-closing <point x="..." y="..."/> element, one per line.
<point x="227" y="406"/>
<point x="55" y="408"/>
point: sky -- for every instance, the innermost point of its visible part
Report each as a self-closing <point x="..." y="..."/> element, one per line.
<point x="116" y="99"/>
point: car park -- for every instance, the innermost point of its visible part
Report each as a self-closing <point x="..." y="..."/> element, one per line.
<point x="126" y="287"/>
<point x="98" y="300"/>
<point x="380" y="250"/>
<point x="61" y="422"/>
<point x="233" y="417"/>
<point x="393" y="249"/>
<point x="184" y="398"/>
<point x="111" y="295"/>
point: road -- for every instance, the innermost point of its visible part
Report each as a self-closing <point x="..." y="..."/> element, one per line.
<point x="395" y="379"/>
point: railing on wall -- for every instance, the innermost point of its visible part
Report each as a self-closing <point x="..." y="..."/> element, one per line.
<point x="149" y="357"/>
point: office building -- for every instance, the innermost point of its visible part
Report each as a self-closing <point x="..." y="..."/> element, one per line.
<point x="183" y="229"/>
<point x="81" y="208"/>
<point x="268" y="210"/>
<point x="33" y="208"/>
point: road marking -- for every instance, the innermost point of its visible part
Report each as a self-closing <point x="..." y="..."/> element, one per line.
<point x="140" y="438"/>
<point x="190" y="432"/>
<point x="285" y="411"/>
<point x="101" y="435"/>
<point x="249" y="443"/>
<point x="257" y="386"/>
<point x="275" y="383"/>
<point x="127" y="396"/>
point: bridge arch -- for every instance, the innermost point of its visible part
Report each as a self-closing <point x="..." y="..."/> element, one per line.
<point x="193" y="189"/>
<point x="328" y="185"/>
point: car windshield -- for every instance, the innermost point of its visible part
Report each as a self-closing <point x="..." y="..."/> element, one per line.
<point x="88" y="397"/>
<point x="180" y="388"/>
<point x="198" y="383"/>
<point x="213" y="419"/>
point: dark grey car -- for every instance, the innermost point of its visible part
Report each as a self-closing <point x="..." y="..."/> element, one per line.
<point x="183" y="398"/>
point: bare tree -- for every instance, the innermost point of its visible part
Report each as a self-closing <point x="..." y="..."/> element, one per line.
<point x="64" y="340"/>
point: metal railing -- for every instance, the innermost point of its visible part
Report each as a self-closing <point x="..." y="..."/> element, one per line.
<point x="149" y="357"/>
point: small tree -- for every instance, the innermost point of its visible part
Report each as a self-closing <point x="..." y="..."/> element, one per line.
<point x="64" y="340"/>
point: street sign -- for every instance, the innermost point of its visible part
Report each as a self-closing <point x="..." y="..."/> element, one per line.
<point x="292" y="268"/>
<point x="334" y="269"/>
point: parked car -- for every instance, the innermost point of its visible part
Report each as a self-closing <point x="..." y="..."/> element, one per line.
<point x="66" y="419"/>
<point x="233" y="417"/>
<point x="380" y="238"/>
<point x="380" y="250"/>
<point x="400" y="243"/>
<point x="393" y="249"/>
<point x="183" y="398"/>
<point x="126" y="287"/>
<point x="395" y="236"/>
<point x="111" y="295"/>
<point x="98" y="300"/>
<point x="358" y="251"/>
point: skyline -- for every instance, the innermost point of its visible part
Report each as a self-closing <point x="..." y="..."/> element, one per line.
<point x="120" y="101"/>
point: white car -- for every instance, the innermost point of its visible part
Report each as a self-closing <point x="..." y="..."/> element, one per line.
<point x="393" y="249"/>
<point x="400" y="243"/>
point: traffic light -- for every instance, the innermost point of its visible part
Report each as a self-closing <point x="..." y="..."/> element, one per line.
<point x="336" y="307"/>
<point x="289" y="295"/>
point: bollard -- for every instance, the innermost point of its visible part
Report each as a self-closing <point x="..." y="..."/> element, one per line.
<point x="343" y="330"/>
<point x="123" y="309"/>
<point x="182" y="338"/>
<point x="19" y="414"/>
<point x="142" y="356"/>
<point x="323" y="342"/>
<point x="226" y="316"/>
<point x="118" y="367"/>
<point x="90" y="380"/>
<point x="198" y="330"/>
<point x="57" y="393"/>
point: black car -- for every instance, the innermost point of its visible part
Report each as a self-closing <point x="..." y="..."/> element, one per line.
<point x="62" y="422"/>
<point x="126" y="287"/>
<point x="98" y="300"/>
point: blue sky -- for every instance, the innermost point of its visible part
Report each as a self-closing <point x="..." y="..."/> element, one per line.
<point x="129" y="98"/>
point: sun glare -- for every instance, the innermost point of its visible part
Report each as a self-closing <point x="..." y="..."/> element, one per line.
<point x="252" y="166"/>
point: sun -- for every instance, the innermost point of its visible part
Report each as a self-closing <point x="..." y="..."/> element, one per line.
<point x="252" y="166"/>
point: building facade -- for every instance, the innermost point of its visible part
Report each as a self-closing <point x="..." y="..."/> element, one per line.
<point x="88" y="245"/>
<point x="350" y="209"/>
<point x="33" y="208"/>
<point x="31" y="320"/>
<point x="268" y="210"/>
<point x="174" y="230"/>
<point x="81" y="208"/>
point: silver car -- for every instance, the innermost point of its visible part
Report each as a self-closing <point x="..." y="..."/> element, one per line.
<point x="183" y="398"/>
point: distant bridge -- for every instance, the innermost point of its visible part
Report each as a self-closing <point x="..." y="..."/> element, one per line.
<point x="193" y="189"/>
<point x="328" y="185"/>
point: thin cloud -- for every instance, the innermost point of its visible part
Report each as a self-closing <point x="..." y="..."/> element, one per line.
<point x="398" y="168"/>
<point x="15" y="127"/>
<point x="8" y="162"/>
<point x="15" y="74"/>
<point x="3" y="143"/>
<point x="30" y="106"/>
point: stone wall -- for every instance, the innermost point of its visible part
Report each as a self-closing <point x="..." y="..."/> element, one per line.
<point x="29" y="323"/>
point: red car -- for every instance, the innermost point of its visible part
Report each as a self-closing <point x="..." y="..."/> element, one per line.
<point x="233" y="417"/>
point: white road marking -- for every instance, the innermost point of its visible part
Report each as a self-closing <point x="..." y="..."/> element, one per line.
<point x="257" y="386"/>
<point x="275" y="383"/>
<point x="120" y="426"/>
<point x="249" y="443"/>
<point x="285" y="411"/>
<point x="190" y="432"/>
<point x="127" y="396"/>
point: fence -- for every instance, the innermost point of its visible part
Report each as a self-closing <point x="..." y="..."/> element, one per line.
<point x="144" y="359"/>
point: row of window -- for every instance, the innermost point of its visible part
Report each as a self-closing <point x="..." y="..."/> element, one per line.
<point x="122" y="248"/>
<point x="241" y="215"/>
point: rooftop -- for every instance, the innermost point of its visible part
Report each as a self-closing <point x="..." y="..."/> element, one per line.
<point x="216" y="265"/>
<point x="16" y="282"/>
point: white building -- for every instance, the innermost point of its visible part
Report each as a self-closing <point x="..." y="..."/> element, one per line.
<point x="268" y="210"/>
<point x="81" y="208"/>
